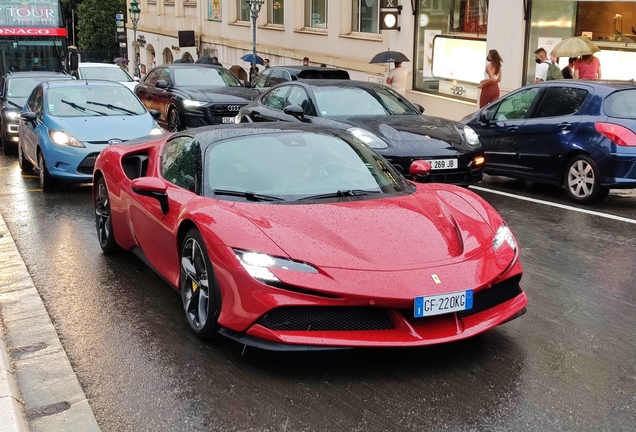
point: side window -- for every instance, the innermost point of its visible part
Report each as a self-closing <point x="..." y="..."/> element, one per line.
<point x="278" y="76"/>
<point x="561" y="101"/>
<point x="152" y="77"/>
<point x="261" y="79"/>
<point x="31" y="102"/>
<point x="298" y="96"/>
<point x="181" y="163"/>
<point x="517" y="106"/>
<point x="275" y="99"/>
<point x="37" y="105"/>
<point x="165" y="75"/>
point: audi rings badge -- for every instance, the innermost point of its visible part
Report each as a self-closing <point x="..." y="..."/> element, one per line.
<point x="234" y="108"/>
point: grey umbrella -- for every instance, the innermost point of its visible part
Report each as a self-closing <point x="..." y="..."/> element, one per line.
<point x="389" y="57"/>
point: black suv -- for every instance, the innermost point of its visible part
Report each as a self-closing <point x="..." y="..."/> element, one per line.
<point x="279" y="74"/>
<point x="15" y="88"/>
<point x="193" y="95"/>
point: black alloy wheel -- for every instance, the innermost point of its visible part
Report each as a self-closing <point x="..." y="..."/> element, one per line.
<point x="199" y="287"/>
<point x="47" y="182"/>
<point x="173" y="120"/>
<point x="103" y="221"/>
<point x="25" y="164"/>
<point x="582" y="180"/>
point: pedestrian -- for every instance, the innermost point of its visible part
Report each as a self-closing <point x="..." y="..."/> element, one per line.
<point x="568" y="71"/>
<point x="323" y="65"/>
<point x="266" y="61"/>
<point x="215" y="61"/>
<point x="587" y="67"/>
<point x="546" y="68"/>
<point x="397" y="78"/>
<point x="306" y="61"/>
<point x="492" y="77"/>
<point x="253" y="71"/>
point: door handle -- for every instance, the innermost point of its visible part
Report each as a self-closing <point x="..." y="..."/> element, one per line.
<point x="513" y="128"/>
<point x="564" y="126"/>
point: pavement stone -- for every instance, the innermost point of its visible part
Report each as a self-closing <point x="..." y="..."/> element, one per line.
<point x="36" y="376"/>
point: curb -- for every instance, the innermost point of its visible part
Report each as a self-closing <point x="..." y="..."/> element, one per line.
<point x="39" y="390"/>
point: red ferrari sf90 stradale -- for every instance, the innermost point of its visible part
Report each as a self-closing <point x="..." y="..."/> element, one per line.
<point x="288" y="236"/>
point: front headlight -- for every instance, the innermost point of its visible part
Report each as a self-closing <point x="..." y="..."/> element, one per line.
<point x="504" y="235"/>
<point x="192" y="103"/>
<point x="62" y="138"/>
<point x="471" y="136"/>
<point x="258" y="265"/>
<point x="368" y="138"/>
<point x="12" y="115"/>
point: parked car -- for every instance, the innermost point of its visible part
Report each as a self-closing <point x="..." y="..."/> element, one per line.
<point x="193" y="95"/>
<point x="579" y="134"/>
<point x="279" y="74"/>
<point x="383" y="119"/>
<point x="15" y="88"/>
<point x="65" y="124"/>
<point x="295" y="236"/>
<point x="106" y="72"/>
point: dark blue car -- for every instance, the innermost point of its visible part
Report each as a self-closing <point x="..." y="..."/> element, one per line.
<point x="579" y="134"/>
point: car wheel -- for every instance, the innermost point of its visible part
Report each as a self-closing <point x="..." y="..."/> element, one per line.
<point x="103" y="220"/>
<point x="25" y="164"/>
<point x="199" y="287"/>
<point x="583" y="181"/>
<point x="47" y="183"/>
<point x="173" y="120"/>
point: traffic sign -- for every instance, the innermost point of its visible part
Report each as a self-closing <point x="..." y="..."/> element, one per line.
<point x="119" y="16"/>
<point x="120" y="29"/>
<point x="119" y="23"/>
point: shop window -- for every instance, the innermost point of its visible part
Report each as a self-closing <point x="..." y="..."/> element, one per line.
<point x="365" y="17"/>
<point x="316" y="14"/>
<point x="167" y="56"/>
<point x="276" y="12"/>
<point x="450" y="55"/>
<point x="243" y="10"/>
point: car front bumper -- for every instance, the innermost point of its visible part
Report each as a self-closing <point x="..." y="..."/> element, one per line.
<point x="74" y="164"/>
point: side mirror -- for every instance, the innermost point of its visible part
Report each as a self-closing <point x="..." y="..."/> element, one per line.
<point x="155" y="114"/>
<point x="420" y="107"/>
<point x="420" y="169"/>
<point x="296" y="111"/>
<point x="29" y="116"/>
<point x="483" y="118"/>
<point x="152" y="187"/>
<point x="162" y="84"/>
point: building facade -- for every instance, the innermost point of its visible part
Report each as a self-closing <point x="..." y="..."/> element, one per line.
<point x="446" y="40"/>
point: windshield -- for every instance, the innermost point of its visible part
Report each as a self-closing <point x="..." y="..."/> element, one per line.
<point x="31" y="55"/>
<point x="298" y="165"/>
<point x="209" y="77"/>
<point x="88" y="101"/>
<point x="350" y="101"/>
<point x="22" y="87"/>
<point x="107" y="73"/>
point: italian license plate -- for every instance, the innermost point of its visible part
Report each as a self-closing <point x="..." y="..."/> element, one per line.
<point x="443" y="303"/>
<point x="228" y="120"/>
<point x="438" y="164"/>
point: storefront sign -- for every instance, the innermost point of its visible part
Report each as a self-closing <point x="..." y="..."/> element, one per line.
<point x="32" y="31"/>
<point x="214" y="10"/>
<point x="30" y="13"/>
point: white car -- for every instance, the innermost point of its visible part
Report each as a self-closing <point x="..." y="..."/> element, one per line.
<point x="106" y="72"/>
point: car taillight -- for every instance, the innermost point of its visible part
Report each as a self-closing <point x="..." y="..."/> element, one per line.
<point x="617" y="134"/>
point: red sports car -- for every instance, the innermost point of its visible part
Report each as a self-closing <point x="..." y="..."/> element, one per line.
<point x="289" y="236"/>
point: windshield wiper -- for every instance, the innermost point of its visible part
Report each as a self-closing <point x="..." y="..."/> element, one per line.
<point x="342" y="193"/>
<point x="14" y="104"/>
<point x="113" y="107"/>
<point x="250" y="196"/>
<point x="81" y="108"/>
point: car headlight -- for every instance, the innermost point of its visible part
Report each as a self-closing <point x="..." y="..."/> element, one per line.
<point x="471" y="136"/>
<point x="12" y="115"/>
<point x="62" y="138"/>
<point x="368" y="138"/>
<point x="192" y="103"/>
<point x="156" y="131"/>
<point x="258" y="265"/>
<point x="504" y="235"/>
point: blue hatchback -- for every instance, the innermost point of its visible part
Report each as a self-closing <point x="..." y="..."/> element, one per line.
<point x="579" y="134"/>
<point x="66" y="124"/>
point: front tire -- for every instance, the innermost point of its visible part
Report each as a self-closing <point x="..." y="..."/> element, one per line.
<point x="173" y="120"/>
<point x="103" y="219"/>
<point x="199" y="287"/>
<point x="47" y="182"/>
<point x="25" y="164"/>
<point x="582" y="180"/>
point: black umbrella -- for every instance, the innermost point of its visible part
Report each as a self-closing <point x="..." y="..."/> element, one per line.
<point x="120" y="60"/>
<point x="389" y="57"/>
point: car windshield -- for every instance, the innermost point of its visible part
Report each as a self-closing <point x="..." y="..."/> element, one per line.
<point x="87" y="101"/>
<point x="198" y="76"/>
<point x="107" y="73"/>
<point x="290" y="166"/>
<point x="621" y="104"/>
<point x="22" y="87"/>
<point x="350" y="101"/>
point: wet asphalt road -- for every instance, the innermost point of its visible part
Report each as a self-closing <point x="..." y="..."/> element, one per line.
<point x="568" y="364"/>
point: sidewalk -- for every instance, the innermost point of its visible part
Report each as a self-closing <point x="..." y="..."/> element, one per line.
<point x="38" y="387"/>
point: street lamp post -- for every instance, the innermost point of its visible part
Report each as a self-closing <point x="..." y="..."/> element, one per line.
<point x="134" y="17"/>
<point x="255" y="8"/>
